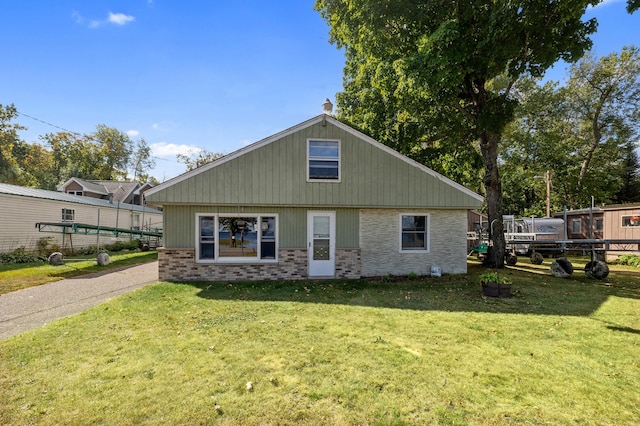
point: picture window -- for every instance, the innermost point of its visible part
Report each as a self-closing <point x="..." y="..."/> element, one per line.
<point x="234" y="238"/>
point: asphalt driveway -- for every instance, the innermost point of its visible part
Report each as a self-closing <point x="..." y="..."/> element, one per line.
<point x="34" y="307"/>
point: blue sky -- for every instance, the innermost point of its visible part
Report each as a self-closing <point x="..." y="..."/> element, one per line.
<point x="187" y="74"/>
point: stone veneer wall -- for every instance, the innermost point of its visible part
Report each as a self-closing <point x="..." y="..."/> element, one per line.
<point x="180" y="265"/>
<point x="380" y="243"/>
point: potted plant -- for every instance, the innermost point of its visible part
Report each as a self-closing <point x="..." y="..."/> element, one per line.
<point x="495" y="286"/>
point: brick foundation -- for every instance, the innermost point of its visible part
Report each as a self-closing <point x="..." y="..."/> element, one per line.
<point x="180" y="265"/>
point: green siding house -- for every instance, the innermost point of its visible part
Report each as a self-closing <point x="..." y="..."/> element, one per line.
<point x="317" y="200"/>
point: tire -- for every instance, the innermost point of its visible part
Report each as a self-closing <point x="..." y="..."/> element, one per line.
<point x="537" y="258"/>
<point x="562" y="268"/>
<point x="56" y="258"/>
<point x="103" y="259"/>
<point x="597" y="270"/>
<point x="511" y="259"/>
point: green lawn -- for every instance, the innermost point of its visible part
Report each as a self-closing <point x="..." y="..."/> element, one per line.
<point x="18" y="276"/>
<point x="423" y="351"/>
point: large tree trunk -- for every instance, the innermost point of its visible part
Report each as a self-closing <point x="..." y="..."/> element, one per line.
<point x="493" y="188"/>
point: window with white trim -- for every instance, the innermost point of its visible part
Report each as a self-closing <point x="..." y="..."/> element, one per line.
<point x="206" y="243"/>
<point x="236" y="238"/>
<point x="414" y="233"/>
<point x="75" y="193"/>
<point x="68" y="215"/>
<point x="135" y="221"/>
<point x="323" y="160"/>
<point x="628" y="221"/>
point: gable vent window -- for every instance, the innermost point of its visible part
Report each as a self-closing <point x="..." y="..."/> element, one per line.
<point x="323" y="160"/>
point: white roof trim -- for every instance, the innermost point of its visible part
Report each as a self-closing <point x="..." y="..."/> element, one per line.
<point x="299" y="127"/>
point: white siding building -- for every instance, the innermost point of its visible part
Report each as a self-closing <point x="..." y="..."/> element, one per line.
<point x="22" y="208"/>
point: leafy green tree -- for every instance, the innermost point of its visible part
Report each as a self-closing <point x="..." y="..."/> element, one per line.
<point x="537" y="141"/>
<point x="605" y="104"/>
<point x="35" y="162"/>
<point x="73" y="155"/>
<point x="450" y="53"/>
<point x="584" y="132"/>
<point x="629" y="191"/>
<point x="194" y="159"/>
<point x="114" y="149"/>
<point x="142" y="161"/>
<point x="106" y="154"/>
<point x="10" y="171"/>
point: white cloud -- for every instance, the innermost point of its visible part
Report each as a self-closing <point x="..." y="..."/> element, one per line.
<point x="113" y="18"/>
<point x="165" y="149"/>
<point x="132" y="133"/>
<point x="77" y="17"/>
<point x="120" y="18"/>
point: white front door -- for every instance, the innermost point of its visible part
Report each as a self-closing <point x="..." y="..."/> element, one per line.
<point x="321" y="238"/>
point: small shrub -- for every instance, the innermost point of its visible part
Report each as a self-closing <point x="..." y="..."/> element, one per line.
<point x="43" y="245"/>
<point x="117" y="246"/>
<point x="19" y="255"/>
<point x="121" y="245"/>
<point x="92" y="249"/>
<point x="387" y="278"/>
<point x="630" y="259"/>
<point x="493" y="277"/>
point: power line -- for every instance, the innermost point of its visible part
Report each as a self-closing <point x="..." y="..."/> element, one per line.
<point x="49" y="124"/>
<point x="74" y="133"/>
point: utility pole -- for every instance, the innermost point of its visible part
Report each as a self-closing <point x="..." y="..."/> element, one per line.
<point x="547" y="179"/>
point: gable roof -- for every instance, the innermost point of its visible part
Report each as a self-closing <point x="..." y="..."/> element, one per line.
<point x="68" y="198"/>
<point x="159" y="195"/>
<point x="119" y="190"/>
<point x="87" y="186"/>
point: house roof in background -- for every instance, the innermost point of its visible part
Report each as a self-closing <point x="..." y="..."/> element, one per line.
<point x="68" y="198"/>
<point x="86" y="186"/>
<point x="624" y="206"/>
<point x="597" y="209"/>
<point x="119" y="190"/>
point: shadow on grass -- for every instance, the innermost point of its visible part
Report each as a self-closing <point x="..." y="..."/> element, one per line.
<point x="624" y="329"/>
<point x="532" y="293"/>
